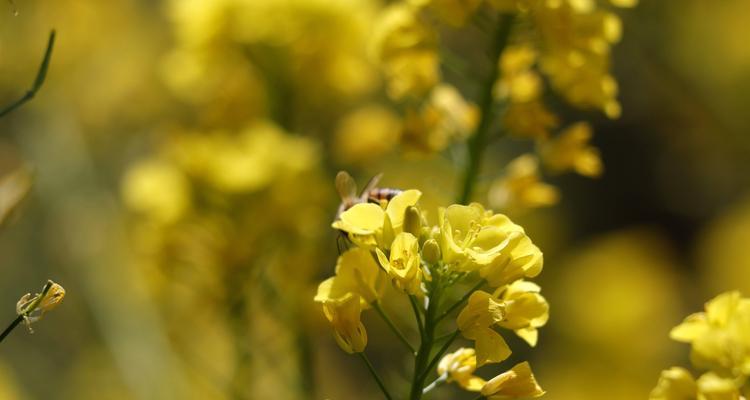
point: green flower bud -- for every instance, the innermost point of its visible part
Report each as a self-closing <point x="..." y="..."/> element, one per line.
<point x="431" y="251"/>
<point x="413" y="221"/>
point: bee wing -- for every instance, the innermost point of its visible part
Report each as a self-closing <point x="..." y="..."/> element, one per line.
<point x="371" y="184"/>
<point x="346" y="186"/>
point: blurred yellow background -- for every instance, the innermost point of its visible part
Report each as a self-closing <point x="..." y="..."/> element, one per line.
<point x="184" y="153"/>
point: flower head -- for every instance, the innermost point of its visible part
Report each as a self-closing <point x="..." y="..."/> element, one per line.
<point x="475" y="321"/>
<point x="369" y="224"/>
<point x="349" y="331"/>
<point x="404" y="264"/>
<point x="571" y="151"/>
<point x="459" y="367"/>
<point x="33" y="308"/>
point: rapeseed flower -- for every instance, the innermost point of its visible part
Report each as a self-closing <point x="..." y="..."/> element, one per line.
<point x="720" y="343"/>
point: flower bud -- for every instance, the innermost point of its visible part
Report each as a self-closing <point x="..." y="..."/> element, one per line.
<point x="431" y="251"/>
<point x="413" y="221"/>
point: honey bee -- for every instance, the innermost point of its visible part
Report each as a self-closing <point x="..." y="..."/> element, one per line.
<point x="347" y="189"/>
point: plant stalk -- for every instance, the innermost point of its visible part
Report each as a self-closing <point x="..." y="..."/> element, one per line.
<point x="478" y="141"/>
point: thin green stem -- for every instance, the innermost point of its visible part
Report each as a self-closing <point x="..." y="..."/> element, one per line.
<point x="10" y="327"/>
<point x="421" y="361"/>
<point x="417" y="315"/>
<point x="439" y="354"/>
<point x="477" y="142"/>
<point x="437" y="382"/>
<point x="375" y="375"/>
<point x="463" y="299"/>
<point x="40" y="76"/>
<point x="481" y="396"/>
<point x="393" y="327"/>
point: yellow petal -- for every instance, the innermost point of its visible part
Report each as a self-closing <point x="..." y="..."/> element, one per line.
<point x="491" y="347"/>
<point x="518" y="382"/>
<point x="674" y="384"/>
<point x="361" y="219"/>
<point x="397" y="206"/>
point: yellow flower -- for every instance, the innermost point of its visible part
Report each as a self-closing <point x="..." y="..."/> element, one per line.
<point x="356" y="273"/>
<point x="521" y="187"/>
<point x="471" y="237"/>
<point x="525" y="310"/>
<point x="158" y="189"/>
<point x="577" y="40"/>
<point x="518" y="82"/>
<point x="445" y="116"/>
<point x="349" y="331"/>
<point x="519" y="382"/>
<point x="532" y="119"/>
<point x="475" y="321"/>
<point x="720" y="336"/>
<point x="366" y="134"/>
<point x="459" y="367"/>
<point x="678" y="384"/>
<point x="520" y="259"/>
<point x="366" y="223"/>
<point x="405" y="45"/>
<point x="33" y="308"/>
<point x="675" y="384"/>
<point x="571" y="151"/>
<point x="404" y="266"/>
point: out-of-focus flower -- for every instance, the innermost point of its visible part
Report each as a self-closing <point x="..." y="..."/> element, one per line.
<point x="521" y="187"/>
<point x="158" y="189"/>
<point x="577" y="39"/>
<point x="241" y="162"/>
<point x="366" y="134"/>
<point x="406" y="47"/>
<point x="518" y="382"/>
<point x="443" y="118"/>
<point x="14" y="187"/>
<point x="570" y="150"/>
<point x="404" y="265"/>
<point x="459" y="367"/>
<point x="720" y="342"/>
<point x="720" y="336"/>
<point x="678" y="384"/>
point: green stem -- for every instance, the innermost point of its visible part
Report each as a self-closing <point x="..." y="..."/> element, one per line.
<point x="439" y="354"/>
<point x="393" y="327"/>
<point x="425" y="348"/>
<point x="417" y="315"/>
<point x="462" y="300"/>
<point x="375" y="375"/>
<point x="481" y="396"/>
<point x="40" y="76"/>
<point x="10" y="327"/>
<point x="477" y="142"/>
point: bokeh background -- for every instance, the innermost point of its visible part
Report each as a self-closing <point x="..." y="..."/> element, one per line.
<point x="184" y="158"/>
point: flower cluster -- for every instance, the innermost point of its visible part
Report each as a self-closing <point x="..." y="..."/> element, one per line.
<point x="391" y="242"/>
<point x="720" y="344"/>
<point x="563" y="44"/>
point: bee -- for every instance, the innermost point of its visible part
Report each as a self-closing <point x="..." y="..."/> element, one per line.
<point x="347" y="189"/>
